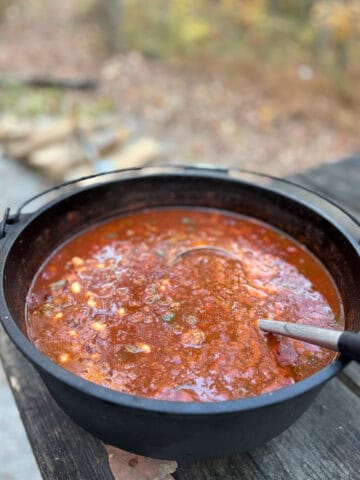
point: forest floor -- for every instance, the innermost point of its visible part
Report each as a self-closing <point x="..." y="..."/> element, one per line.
<point x="274" y="118"/>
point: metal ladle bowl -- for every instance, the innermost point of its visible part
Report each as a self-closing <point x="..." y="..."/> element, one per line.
<point x="217" y="250"/>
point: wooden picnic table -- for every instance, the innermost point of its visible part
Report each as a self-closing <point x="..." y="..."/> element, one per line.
<point x="324" y="444"/>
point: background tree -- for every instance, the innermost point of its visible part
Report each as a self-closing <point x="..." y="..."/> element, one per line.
<point x="109" y="17"/>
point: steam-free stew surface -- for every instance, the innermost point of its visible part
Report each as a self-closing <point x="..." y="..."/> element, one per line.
<point x="116" y="306"/>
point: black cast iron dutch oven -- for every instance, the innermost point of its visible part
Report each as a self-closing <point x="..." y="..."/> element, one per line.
<point x="158" y="428"/>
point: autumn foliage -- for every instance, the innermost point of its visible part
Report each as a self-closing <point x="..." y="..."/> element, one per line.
<point x="327" y="32"/>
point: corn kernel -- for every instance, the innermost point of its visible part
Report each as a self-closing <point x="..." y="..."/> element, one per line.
<point x="64" y="357"/>
<point x="99" y="327"/>
<point x="121" y="311"/>
<point x="58" y="316"/>
<point x="73" y="333"/>
<point x="92" y="302"/>
<point x="77" y="261"/>
<point x="100" y="265"/>
<point x="75" y="287"/>
<point x="144" y="347"/>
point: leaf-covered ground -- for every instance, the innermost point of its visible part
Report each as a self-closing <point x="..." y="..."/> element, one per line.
<point x="274" y="118"/>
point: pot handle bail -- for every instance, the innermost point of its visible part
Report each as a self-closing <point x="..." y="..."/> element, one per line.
<point x="60" y="186"/>
<point x="227" y="171"/>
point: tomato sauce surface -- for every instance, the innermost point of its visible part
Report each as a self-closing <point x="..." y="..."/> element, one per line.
<point x="120" y="307"/>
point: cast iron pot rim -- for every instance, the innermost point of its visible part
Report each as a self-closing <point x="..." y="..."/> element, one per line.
<point x="44" y="364"/>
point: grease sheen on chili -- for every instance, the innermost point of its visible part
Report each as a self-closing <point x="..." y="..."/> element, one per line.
<point x="116" y="306"/>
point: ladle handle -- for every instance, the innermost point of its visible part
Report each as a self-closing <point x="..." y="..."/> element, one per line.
<point x="347" y="343"/>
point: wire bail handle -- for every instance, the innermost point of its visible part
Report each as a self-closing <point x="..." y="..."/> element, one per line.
<point x="9" y="219"/>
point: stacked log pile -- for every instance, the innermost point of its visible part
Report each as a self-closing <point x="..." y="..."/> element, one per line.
<point x="65" y="148"/>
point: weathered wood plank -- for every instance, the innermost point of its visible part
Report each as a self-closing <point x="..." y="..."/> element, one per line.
<point x="351" y="377"/>
<point x="323" y="444"/>
<point x="339" y="181"/>
<point x="63" y="450"/>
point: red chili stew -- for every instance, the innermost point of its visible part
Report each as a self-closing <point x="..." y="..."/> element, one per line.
<point x="117" y="306"/>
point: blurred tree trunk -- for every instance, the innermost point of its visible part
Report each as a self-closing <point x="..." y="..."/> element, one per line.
<point x="299" y="8"/>
<point x="110" y="18"/>
<point x="4" y="4"/>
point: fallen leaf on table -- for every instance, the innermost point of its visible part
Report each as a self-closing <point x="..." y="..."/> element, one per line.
<point x="128" y="466"/>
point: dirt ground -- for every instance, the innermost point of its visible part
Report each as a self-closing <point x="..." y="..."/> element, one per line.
<point x="275" y="119"/>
